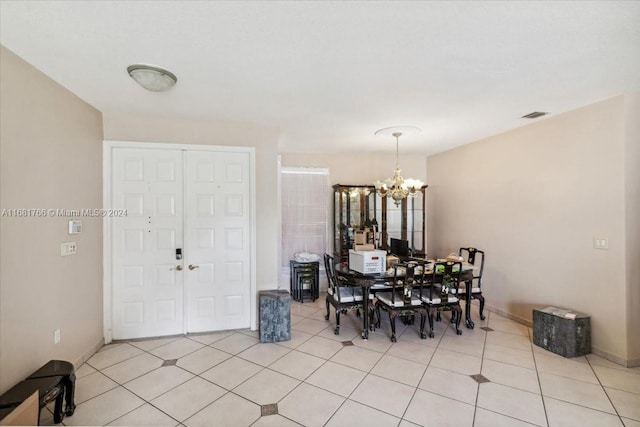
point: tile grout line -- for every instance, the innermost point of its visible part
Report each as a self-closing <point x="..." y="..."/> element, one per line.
<point x="413" y="395"/>
<point x="535" y="364"/>
<point x="605" y="391"/>
<point x="484" y="347"/>
<point x="367" y="373"/>
<point x="167" y="391"/>
<point x="324" y="363"/>
<point x="139" y="376"/>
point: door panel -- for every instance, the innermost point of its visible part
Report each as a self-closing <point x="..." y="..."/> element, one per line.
<point x="199" y="201"/>
<point x="147" y="289"/>
<point x="218" y="240"/>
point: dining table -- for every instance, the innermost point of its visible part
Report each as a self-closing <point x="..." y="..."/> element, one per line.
<point x="374" y="282"/>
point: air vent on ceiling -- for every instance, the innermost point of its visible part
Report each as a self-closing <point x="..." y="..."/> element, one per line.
<point x="534" y="115"/>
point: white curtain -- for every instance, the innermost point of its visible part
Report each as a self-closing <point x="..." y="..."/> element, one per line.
<point x="305" y="215"/>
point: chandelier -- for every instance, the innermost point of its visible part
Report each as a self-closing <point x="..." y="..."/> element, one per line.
<point x="397" y="187"/>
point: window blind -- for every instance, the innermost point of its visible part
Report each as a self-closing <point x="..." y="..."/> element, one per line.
<point x="305" y="199"/>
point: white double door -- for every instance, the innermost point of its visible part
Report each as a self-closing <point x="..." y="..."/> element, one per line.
<point x="181" y="257"/>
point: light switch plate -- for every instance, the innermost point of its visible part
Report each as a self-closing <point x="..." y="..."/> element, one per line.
<point x="68" y="248"/>
<point x="600" y="243"/>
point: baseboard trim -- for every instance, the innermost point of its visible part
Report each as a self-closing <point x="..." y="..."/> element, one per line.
<point x="510" y="316"/>
<point x="631" y="363"/>
<point x="89" y="353"/>
<point x="627" y="363"/>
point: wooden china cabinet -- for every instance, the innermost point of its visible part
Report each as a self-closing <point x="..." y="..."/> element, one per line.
<point x="359" y="207"/>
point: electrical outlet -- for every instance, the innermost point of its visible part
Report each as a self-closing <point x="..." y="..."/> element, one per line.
<point x="68" y="248"/>
<point x="56" y="336"/>
<point x="600" y="243"/>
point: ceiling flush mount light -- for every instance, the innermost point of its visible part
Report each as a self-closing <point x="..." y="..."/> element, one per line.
<point x="397" y="187"/>
<point x="152" y="78"/>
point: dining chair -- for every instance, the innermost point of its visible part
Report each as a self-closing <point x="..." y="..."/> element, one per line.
<point x="403" y="299"/>
<point x="441" y="286"/>
<point x="341" y="294"/>
<point x="474" y="257"/>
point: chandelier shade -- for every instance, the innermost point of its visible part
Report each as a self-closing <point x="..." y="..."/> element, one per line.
<point x="398" y="188"/>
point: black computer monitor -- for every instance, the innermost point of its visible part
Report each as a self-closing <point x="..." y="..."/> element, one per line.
<point x="400" y="247"/>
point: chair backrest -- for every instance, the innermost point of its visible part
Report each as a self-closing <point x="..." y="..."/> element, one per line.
<point x="330" y="270"/>
<point x="404" y="275"/>
<point x="445" y="273"/>
<point x="335" y="281"/>
<point x="474" y="257"/>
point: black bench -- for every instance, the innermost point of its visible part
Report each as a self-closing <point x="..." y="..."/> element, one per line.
<point x="54" y="381"/>
<point x="49" y="388"/>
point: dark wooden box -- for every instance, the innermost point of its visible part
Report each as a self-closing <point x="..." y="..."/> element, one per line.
<point x="554" y="331"/>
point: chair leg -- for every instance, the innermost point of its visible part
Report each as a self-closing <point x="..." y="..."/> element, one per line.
<point x="423" y="318"/>
<point x="392" y="319"/>
<point x="372" y="318"/>
<point x="458" y="315"/>
<point x="431" y="333"/>
<point x="327" y="301"/>
<point x="481" y="299"/>
<point x="337" y="330"/>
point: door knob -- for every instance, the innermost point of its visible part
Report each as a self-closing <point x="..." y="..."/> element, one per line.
<point x="193" y="267"/>
<point x="178" y="267"/>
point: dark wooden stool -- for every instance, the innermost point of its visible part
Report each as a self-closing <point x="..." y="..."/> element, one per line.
<point x="60" y="368"/>
<point x="49" y="388"/>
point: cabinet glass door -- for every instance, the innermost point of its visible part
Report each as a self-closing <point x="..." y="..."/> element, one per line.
<point x="415" y="223"/>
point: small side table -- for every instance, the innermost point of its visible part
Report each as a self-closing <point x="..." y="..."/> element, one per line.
<point x="557" y="330"/>
<point x="304" y="273"/>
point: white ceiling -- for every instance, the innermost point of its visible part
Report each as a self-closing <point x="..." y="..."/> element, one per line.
<point x="329" y="74"/>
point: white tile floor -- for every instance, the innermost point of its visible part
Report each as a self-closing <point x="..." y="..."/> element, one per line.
<point x="322" y="379"/>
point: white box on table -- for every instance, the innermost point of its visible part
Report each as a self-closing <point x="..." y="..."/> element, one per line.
<point x="368" y="262"/>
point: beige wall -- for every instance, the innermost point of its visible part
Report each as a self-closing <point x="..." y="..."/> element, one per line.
<point x="118" y="127"/>
<point x="358" y="168"/>
<point x="50" y="157"/>
<point x="534" y="199"/>
<point x="632" y="195"/>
